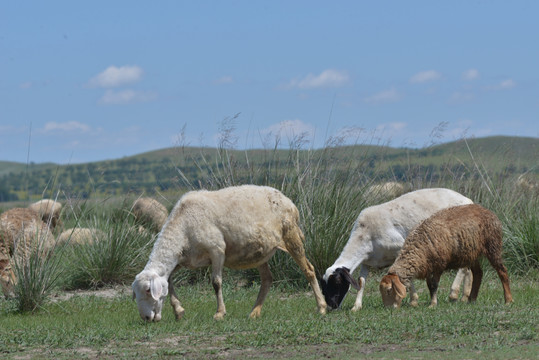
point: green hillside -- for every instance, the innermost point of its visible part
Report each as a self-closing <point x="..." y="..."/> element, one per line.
<point x="181" y="168"/>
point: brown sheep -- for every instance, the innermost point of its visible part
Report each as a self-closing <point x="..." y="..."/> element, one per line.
<point x="150" y="212"/>
<point x="48" y="210"/>
<point x="20" y="231"/>
<point x="450" y="239"/>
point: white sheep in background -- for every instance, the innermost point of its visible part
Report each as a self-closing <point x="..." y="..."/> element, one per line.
<point x="150" y="212"/>
<point x="49" y="211"/>
<point x="238" y="227"/>
<point x="450" y="239"/>
<point x="377" y="237"/>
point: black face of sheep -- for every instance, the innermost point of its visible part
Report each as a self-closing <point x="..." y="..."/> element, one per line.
<point x="337" y="285"/>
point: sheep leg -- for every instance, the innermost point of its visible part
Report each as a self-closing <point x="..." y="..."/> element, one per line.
<point x="477" y="274"/>
<point x="467" y="288"/>
<point x="502" y="274"/>
<point x="217" y="263"/>
<point x="363" y="273"/>
<point x="497" y="264"/>
<point x="432" y="283"/>
<point x="266" y="280"/>
<point x="293" y="239"/>
<point x="174" y="301"/>
<point x="455" y="287"/>
<point x="413" y="295"/>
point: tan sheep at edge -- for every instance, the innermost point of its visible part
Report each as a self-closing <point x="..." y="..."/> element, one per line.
<point x="79" y="236"/>
<point x="386" y="191"/>
<point x="526" y="186"/>
<point x="450" y="239"/>
<point x="237" y="227"/>
<point x="48" y="210"/>
<point x="21" y="230"/>
<point x="150" y="212"/>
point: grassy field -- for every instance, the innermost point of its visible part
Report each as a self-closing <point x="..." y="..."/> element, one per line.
<point x="59" y="310"/>
<point x="90" y="326"/>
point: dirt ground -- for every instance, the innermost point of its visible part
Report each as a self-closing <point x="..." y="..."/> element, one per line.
<point x="106" y="293"/>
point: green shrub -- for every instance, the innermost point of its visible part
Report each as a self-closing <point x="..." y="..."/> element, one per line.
<point x="521" y="238"/>
<point x="37" y="273"/>
<point x="114" y="259"/>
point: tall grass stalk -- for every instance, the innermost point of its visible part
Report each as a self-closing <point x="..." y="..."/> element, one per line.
<point x="521" y="239"/>
<point x="37" y="273"/>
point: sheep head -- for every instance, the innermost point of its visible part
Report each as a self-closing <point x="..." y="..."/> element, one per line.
<point x="336" y="285"/>
<point x="150" y="290"/>
<point x="392" y="290"/>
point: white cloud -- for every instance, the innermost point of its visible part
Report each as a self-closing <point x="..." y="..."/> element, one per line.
<point x="290" y="129"/>
<point x="392" y="127"/>
<point x="470" y="74"/>
<point x="503" y="85"/>
<point x="327" y="78"/>
<point x="11" y="129"/>
<point x="386" y="96"/>
<point x="116" y="76"/>
<point x="460" y="97"/>
<point x="465" y="128"/>
<point x="26" y="85"/>
<point x="68" y="126"/>
<point x="425" y="76"/>
<point x="123" y="97"/>
<point x="224" y="80"/>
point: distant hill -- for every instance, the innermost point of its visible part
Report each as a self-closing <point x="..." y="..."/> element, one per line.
<point x="180" y="168"/>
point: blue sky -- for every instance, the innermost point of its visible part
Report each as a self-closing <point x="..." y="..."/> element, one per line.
<point x="89" y="81"/>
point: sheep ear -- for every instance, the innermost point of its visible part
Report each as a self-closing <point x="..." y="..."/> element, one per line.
<point x="350" y="279"/>
<point x="400" y="289"/>
<point x="164" y="285"/>
<point x="385" y="284"/>
<point x="156" y="288"/>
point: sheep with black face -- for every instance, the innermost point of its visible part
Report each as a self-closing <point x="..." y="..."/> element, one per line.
<point x="377" y="237"/>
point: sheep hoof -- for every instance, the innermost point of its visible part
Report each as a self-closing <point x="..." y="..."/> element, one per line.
<point x="254" y="314"/>
<point x="219" y="316"/>
<point x="356" y="308"/>
<point x="464" y="299"/>
<point x="322" y="311"/>
<point x="179" y="314"/>
<point x="414" y="303"/>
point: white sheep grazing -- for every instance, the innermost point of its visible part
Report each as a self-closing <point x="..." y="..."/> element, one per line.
<point x="377" y="237"/>
<point x="450" y="239"/>
<point x="49" y="211"/>
<point x="238" y="227"/>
